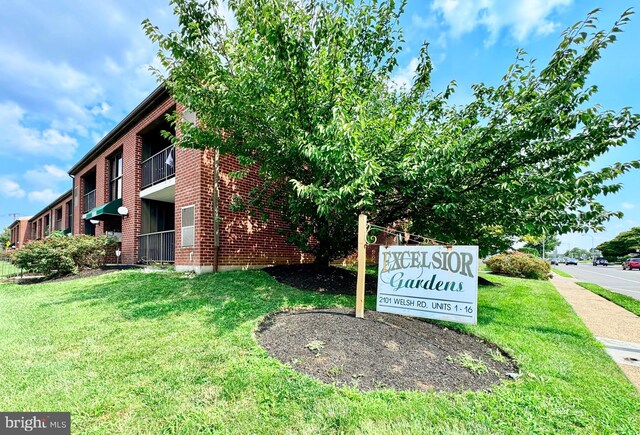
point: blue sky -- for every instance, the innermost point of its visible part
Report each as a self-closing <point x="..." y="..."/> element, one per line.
<point x="72" y="69"/>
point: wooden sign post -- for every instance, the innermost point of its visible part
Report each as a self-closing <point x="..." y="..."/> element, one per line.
<point x="362" y="263"/>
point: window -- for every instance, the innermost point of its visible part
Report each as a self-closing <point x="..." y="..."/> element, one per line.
<point x="188" y="226"/>
<point x="58" y="220"/>
<point x="115" y="170"/>
<point x="70" y="216"/>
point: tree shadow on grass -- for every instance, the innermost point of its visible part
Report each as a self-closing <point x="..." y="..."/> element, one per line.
<point x="228" y="299"/>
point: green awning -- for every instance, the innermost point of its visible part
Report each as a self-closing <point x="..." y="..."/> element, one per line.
<point x="102" y="211"/>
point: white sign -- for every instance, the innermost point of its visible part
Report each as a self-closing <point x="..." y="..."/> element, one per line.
<point x="429" y="281"/>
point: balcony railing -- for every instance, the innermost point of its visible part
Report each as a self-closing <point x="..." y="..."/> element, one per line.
<point x="159" y="167"/>
<point x="157" y="247"/>
<point x="89" y="201"/>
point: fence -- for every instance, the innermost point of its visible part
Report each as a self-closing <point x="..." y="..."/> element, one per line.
<point x="7" y="269"/>
<point x="89" y="201"/>
<point x="157" y="247"/>
<point x="158" y="167"/>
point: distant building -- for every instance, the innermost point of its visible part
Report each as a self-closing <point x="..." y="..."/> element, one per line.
<point x="19" y="230"/>
<point x="57" y="216"/>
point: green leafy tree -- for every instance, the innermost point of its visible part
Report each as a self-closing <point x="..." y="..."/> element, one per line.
<point x="5" y="236"/>
<point x="304" y="89"/>
<point x="578" y="253"/>
<point x="625" y="243"/>
<point x="536" y="242"/>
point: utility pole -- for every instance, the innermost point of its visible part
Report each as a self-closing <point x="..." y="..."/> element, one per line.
<point x="13" y="215"/>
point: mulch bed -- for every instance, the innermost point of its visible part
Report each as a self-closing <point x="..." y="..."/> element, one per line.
<point x="382" y="351"/>
<point x="321" y="279"/>
<point x="331" y="279"/>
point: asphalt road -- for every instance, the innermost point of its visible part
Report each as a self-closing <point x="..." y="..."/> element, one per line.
<point x="626" y="282"/>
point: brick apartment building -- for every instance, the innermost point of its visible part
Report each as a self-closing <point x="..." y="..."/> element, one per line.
<point x="168" y="204"/>
<point x="19" y="231"/>
<point x="57" y="216"/>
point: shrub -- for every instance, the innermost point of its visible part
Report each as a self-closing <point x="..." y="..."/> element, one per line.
<point x="530" y="251"/>
<point x="60" y="256"/>
<point x="519" y="265"/>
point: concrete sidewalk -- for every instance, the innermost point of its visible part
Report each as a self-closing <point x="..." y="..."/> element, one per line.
<point x="615" y="327"/>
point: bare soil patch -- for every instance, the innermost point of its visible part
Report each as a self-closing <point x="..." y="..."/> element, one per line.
<point x="382" y="351"/>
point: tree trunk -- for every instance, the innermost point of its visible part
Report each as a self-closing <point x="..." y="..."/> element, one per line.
<point x="322" y="260"/>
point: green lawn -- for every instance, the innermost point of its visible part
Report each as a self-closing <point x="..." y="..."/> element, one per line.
<point x="626" y="302"/>
<point x="161" y="353"/>
<point x="561" y="272"/>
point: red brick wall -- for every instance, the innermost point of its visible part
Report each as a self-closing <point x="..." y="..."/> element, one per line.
<point x="249" y="241"/>
<point x="20" y="232"/>
<point x="194" y="186"/>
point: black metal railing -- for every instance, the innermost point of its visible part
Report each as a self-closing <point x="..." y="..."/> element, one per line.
<point x="159" y="167"/>
<point x="6" y="268"/>
<point x="89" y="201"/>
<point x="157" y="247"/>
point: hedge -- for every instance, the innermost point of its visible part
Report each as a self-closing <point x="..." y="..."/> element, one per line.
<point x="519" y="265"/>
<point x="60" y="255"/>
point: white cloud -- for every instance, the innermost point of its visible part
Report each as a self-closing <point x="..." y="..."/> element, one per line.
<point x="43" y="196"/>
<point x="47" y="175"/>
<point x="101" y="109"/>
<point x="628" y="205"/>
<point x="16" y="138"/>
<point x="43" y="74"/>
<point x="522" y="18"/>
<point x="11" y="189"/>
<point x="61" y="79"/>
<point x="403" y="79"/>
<point x="427" y="22"/>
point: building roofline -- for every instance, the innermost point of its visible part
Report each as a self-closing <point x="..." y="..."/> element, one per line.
<point x="23" y="218"/>
<point x="51" y="204"/>
<point x="160" y="93"/>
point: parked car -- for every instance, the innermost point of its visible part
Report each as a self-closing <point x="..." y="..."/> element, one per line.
<point x="631" y="263"/>
<point x="569" y="260"/>
<point x="553" y="261"/>
<point x="600" y="261"/>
